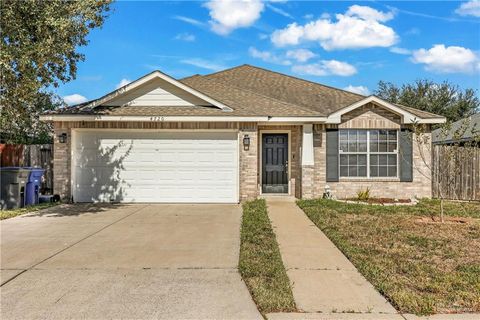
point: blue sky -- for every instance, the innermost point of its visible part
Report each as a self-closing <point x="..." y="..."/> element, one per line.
<point x="344" y="44"/>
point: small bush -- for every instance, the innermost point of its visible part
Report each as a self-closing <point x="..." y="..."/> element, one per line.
<point x="363" y="195"/>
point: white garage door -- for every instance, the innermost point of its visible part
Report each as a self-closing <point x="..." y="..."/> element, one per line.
<point x="157" y="166"/>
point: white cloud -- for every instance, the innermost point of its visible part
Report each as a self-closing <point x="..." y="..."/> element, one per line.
<point x="185" y="37"/>
<point x="74" y="99"/>
<point x="360" y="27"/>
<point x="447" y="59"/>
<point x="279" y="11"/>
<point x="268" y="56"/>
<point x="413" y="31"/>
<point x="122" y="83"/>
<point x="325" y="68"/>
<point x="470" y="8"/>
<point x="291" y="35"/>
<point x="358" y="89"/>
<point x="189" y="20"/>
<point x="262" y="36"/>
<point x="399" y="50"/>
<point x="325" y="15"/>
<point x="204" y="64"/>
<point x="301" y="55"/>
<point x="368" y="13"/>
<point x="228" y="15"/>
<point x="308" y="16"/>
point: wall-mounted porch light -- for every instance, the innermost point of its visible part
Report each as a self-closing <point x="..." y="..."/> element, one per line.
<point x="62" y="138"/>
<point x="246" y="142"/>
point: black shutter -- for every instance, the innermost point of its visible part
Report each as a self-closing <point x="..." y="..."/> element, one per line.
<point x="332" y="155"/>
<point x="406" y="156"/>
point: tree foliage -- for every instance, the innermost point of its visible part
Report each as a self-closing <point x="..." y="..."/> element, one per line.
<point x="38" y="51"/>
<point x="443" y="98"/>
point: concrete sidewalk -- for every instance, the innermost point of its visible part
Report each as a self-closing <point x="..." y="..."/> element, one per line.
<point x="323" y="279"/>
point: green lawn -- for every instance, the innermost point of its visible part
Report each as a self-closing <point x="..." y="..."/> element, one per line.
<point x="421" y="267"/>
<point x="6" y="214"/>
<point x="260" y="264"/>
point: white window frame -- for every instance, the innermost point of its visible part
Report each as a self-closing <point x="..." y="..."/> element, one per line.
<point x="368" y="153"/>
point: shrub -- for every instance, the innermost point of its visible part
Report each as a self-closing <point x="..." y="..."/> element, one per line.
<point x="363" y="195"/>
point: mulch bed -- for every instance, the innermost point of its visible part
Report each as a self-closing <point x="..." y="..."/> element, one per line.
<point x="381" y="201"/>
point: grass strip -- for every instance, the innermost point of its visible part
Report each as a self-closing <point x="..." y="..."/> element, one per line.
<point x="260" y="263"/>
<point x="6" y="214"/>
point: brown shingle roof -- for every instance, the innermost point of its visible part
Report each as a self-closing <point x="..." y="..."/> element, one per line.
<point x="249" y="91"/>
<point x="246" y="102"/>
<point x="319" y="98"/>
<point x="420" y="113"/>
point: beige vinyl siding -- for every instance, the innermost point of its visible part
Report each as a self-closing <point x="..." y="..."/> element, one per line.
<point x="157" y="93"/>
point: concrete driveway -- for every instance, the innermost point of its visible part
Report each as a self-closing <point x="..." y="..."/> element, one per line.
<point x="124" y="261"/>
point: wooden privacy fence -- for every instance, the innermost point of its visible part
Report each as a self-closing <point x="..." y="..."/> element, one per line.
<point x="34" y="155"/>
<point x="456" y="172"/>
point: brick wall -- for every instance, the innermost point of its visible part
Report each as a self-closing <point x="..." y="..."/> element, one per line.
<point x="62" y="163"/>
<point x="306" y="182"/>
<point x="345" y="188"/>
<point x="249" y="163"/>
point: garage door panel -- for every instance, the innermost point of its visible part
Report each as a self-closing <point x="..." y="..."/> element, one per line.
<point x="156" y="166"/>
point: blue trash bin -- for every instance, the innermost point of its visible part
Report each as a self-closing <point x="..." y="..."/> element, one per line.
<point x="32" y="190"/>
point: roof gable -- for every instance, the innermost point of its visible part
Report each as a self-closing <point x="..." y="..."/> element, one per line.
<point x="406" y="116"/>
<point x="156" y="93"/>
<point x="156" y="89"/>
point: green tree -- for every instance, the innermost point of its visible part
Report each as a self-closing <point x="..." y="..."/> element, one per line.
<point x="443" y="98"/>
<point x="38" y="51"/>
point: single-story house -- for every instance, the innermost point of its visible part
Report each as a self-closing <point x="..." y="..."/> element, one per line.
<point x="234" y="135"/>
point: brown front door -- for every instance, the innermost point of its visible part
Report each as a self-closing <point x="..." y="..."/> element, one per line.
<point x="275" y="163"/>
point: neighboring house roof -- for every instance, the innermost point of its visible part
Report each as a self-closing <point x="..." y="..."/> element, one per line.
<point x="471" y="131"/>
<point x="243" y="91"/>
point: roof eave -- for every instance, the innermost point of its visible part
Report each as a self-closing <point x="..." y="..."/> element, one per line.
<point x="101" y="118"/>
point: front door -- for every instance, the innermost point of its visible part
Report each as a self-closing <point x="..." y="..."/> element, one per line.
<point x="275" y="163"/>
